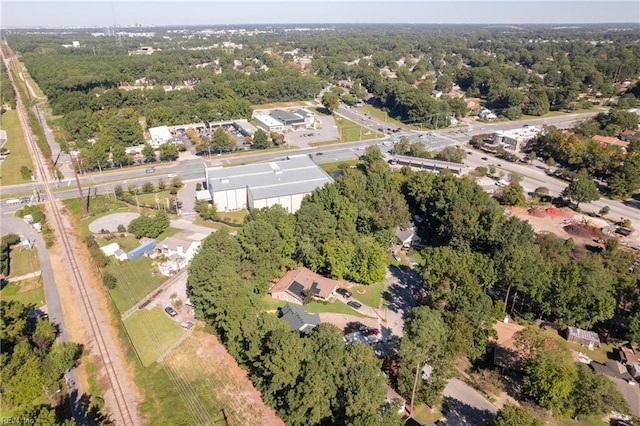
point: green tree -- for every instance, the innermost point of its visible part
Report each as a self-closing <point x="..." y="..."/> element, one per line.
<point x="261" y="139"/>
<point x="424" y="343"/>
<point x="595" y="394"/>
<point x="512" y="195"/>
<point x="330" y="101"/>
<point x="510" y="415"/>
<point x="148" y="187"/>
<point x="168" y="151"/>
<point x="148" y="152"/>
<point x="581" y="190"/>
<point x="222" y="140"/>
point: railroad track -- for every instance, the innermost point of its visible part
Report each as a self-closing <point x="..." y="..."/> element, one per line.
<point x="123" y="410"/>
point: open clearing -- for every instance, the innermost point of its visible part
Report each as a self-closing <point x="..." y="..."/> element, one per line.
<point x="23" y="261"/>
<point x="152" y="332"/>
<point x="29" y="292"/>
<point x="19" y="156"/>
<point x="134" y="281"/>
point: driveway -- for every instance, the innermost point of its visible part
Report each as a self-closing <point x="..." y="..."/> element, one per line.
<point x="465" y="405"/>
<point x="404" y="286"/>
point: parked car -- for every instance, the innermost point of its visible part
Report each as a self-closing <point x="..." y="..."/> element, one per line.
<point x="485" y="158"/>
<point x="370" y="332"/>
<point x="354" y="304"/>
<point x="344" y="292"/>
<point x="170" y="311"/>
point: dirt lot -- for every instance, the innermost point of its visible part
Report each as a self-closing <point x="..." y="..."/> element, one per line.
<point x="557" y="220"/>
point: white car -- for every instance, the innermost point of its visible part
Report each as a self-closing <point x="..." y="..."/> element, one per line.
<point x="172" y="175"/>
<point x="361" y="147"/>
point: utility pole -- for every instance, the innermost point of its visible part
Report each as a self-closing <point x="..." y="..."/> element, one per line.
<point x="415" y="383"/>
<point x="76" y="166"/>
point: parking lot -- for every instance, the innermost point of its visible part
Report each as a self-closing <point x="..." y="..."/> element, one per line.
<point x="327" y="131"/>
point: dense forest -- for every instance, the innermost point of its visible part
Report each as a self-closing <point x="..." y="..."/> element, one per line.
<point x="32" y="367"/>
<point x="478" y="264"/>
<point x="515" y="71"/>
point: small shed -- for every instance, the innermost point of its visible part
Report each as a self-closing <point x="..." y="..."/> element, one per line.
<point x="583" y="337"/>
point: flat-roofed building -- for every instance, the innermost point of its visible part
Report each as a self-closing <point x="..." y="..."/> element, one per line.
<point x="268" y="123"/>
<point x="245" y="127"/>
<point x="159" y="135"/>
<point x="290" y="120"/>
<point x="265" y="184"/>
<point x="516" y="138"/>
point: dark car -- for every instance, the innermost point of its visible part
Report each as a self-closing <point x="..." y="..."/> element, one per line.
<point x="354" y="304"/>
<point x="344" y="292"/>
<point x="170" y="311"/>
<point x="370" y="332"/>
<point x="485" y="158"/>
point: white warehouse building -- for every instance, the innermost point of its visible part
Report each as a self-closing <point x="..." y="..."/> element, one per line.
<point x="268" y="123"/>
<point x="516" y="138"/>
<point x="265" y="184"/>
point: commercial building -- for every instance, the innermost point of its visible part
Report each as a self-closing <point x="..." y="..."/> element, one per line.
<point x="265" y="184"/>
<point x="516" y="138"/>
<point x="159" y="135"/>
<point x="268" y="123"/>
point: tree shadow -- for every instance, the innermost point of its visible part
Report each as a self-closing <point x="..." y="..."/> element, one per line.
<point x="634" y="203"/>
<point x="407" y="292"/>
<point x="460" y="414"/>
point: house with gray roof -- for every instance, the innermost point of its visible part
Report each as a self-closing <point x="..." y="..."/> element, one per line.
<point x="298" y="318"/>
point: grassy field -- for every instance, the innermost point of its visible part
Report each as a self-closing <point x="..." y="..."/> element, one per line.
<point x="134" y="281"/>
<point x="23" y="261"/>
<point x="381" y="115"/>
<point x="19" y="156"/>
<point x="268" y="303"/>
<point x="150" y="199"/>
<point x="423" y="415"/>
<point x="234" y="217"/>
<point x="335" y="165"/>
<point x="28" y="292"/>
<point x="152" y="333"/>
<point x="584" y="421"/>
<point x="370" y="295"/>
<point x="598" y="354"/>
<point x="336" y="307"/>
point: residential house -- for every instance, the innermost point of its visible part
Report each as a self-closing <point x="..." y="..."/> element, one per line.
<point x="607" y="140"/>
<point x="629" y="135"/>
<point x="298" y="318"/>
<point x="407" y="237"/>
<point x="293" y="286"/>
<point x="114" y="250"/>
<point x="487" y="114"/>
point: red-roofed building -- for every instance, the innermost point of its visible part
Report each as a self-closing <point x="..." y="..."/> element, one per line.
<point x="607" y="140"/>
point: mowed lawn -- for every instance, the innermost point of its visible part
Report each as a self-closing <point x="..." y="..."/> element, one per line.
<point x="20" y="156"/>
<point x="335" y="307"/>
<point x="370" y="295"/>
<point x="28" y="292"/>
<point x="23" y="261"/>
<point x="152" y="333"/>
<point x="135" y="281"/>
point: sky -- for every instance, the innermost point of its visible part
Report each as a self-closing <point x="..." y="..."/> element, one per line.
<point x="98" y="13"/>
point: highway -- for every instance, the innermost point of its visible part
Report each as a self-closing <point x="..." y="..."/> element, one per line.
<point x="190" y="167"/>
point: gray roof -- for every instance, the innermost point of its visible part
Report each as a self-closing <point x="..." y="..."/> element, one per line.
<point x="245" y="127"/>
<point x="297" y="175"/>
<point x="298" y="318"/>
<point x="286" y="117"/>
<point x="583" y="334"/>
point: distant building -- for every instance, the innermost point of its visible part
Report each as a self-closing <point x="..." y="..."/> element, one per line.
<point x="627" y="135"/>
<point x="407" y="237"/>
<point x="607" y="140"/>
<point x="487" y="114"/>
<point x="583" y="337"/>
<point x="268" y="123"/>
<point x="516" y="138"/>
<point x="298" y="319"/>
<point x="292" y="286"/>
<point x="114" y="250"/>
<point x="244" y="127"/>
<point x="159" y="135"/>
<point x="265" y="184"/>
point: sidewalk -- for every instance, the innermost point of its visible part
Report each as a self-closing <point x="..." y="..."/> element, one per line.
<point x="24" y="277"/>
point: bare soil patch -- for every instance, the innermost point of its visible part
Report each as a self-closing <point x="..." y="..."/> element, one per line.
<point x="584" y="231"/>
<point x="28" y="285"/>
<point x="551" y="220"/>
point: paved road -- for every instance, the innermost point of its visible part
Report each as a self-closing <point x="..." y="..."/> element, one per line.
<point x="466" y="406"/>
<point x="12" y="224"/>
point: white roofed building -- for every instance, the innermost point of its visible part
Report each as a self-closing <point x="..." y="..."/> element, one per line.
<point x="516" y="138"/>
<point x="265" y="184"/>
<point x="159" y="135"/>
<point x="268" y="123"/>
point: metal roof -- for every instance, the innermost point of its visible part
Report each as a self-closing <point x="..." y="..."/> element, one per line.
<point x="297" y="175"/>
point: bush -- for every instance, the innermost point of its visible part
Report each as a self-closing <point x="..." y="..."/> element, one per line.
<point x="109" y="281"/>
<point x="25" y="172"/>
<point x="148" y="188"/>
<point x="604" y="211"/>
<point x="122" y="228"/>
